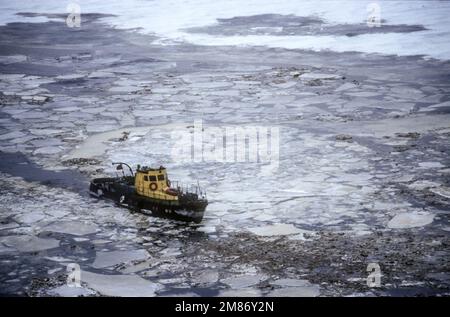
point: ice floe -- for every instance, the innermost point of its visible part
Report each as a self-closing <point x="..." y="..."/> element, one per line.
<point x="410" y="220"/>
<point x="278" y="229"/>
<point x="28" y="243"/>
<point x="137" y="267"/>
<point x="110" y="258"/>
<point x="206" y="277"/>
<point x="289" y="282"/>
<point x="431" y="165"/>
<point x="423" y="184"/>
<point x="312" y="76"/>
<point x="57" y="259"/>
<point x="244" y="292"/>
<point x="70" y="291"/>
<point x="10" y="59"/>
<point x="31" y="217"/>
<point x="345" y="86"/>
<point x="243" y="281"/>
<point x="441" y="191"/>
<point x="48" y="150"/>
<point x="12" y="135"/>
<point x="305" y="291"/>
<point x="74" y="227"/>
<point x="120" y="285"/>
<point x="71" y="77"/>
<point x="445" y="104"/>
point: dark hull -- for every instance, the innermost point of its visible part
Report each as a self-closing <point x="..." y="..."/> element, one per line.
<point x="123" y="193"/>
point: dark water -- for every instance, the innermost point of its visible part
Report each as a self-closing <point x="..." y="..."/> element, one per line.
<point x="17" y="164"/>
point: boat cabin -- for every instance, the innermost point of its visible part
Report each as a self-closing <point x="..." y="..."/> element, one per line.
<point x="153" y="183"/>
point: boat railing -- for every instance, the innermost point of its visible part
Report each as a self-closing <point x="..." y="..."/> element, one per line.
<point x="185" y="189"/>
<point x="182" y="189"/>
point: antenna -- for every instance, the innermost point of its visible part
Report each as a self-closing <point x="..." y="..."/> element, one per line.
<point x="120" y="167"/>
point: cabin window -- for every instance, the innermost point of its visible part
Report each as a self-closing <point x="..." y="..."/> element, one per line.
<point x="146" y="178"/>
<point x="152" y="178"/>
<point x="160" y="177"/>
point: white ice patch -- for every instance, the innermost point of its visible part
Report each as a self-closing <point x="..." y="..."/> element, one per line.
<point x="68" y="291"/>
<point x="244" y="281"/>
<point x="57" y="259"/>
<point x="48" y="150"/>
<point x="77" y="228"/>
<point x="120" y="285"/>
<point x="431" y="165"/>
<point x="294" y="288"/>
<point x="410" y="220"/>
<point x="207" y="229"/>
<point x="245" y="292"/>
<point x="206" y="277"/>
<point x="436" y="106"/>
<point x="11" y="59"/>
<point x="310" y="76"/>
<point x="27" y="243"/>
<point x="110" y="258"/>
<point x="305" y="291"/>
<point x="289" y="282"/>
<point x="168" y="19"/>
<point x="392" y="126"/>
<point x="423" y="184"/>
<point x="4" y="249"/>
<point x="70" y="77"/>
<point x="12" y="135"/>
<point x="96" y="145"/>
<point x="137" y="268"/>
<point x="345" y="86"/>
<point x="441" y="191"/>
<point x="278" y="229"/>
<point x="30" y="217"/>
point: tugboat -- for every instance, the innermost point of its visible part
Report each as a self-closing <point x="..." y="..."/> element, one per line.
<point x="150" y="191"/>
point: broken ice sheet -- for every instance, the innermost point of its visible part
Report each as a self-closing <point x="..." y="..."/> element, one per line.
<point x="12" y="135"/>
<point x="305" y="291"/>
<point x="423" y="184"/>
<point x="426" y="165"/>
<point x="77" y="228"/>
<point x="278" y="229"/>
<point x="170" y="252"/>
<point x="289" y="282"/>
<point x="11" y="59"/>
<point x="10" y="225"/>
<point x="243" y="281"/>
<point x="28" y="243"/>
<point x="137" y="267"/>
<point x="410" y="220"/>
<point x="48" y="150"/>
<point x="30" y="217"/>
<point x="206" y="277"/>
<point x="4" y="249"/>
<point x="244" y="292"/>
<point x="120" y="285"/>
<point x="57" y="259"/>
<point x="207" y="229"/>
<point x="110" y="258"/>
<point x="70" y="291"/>
<point x="308" y="76"/>
<point x="441" y="191"/>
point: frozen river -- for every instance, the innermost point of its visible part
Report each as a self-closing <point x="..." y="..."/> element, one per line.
<point x="355" y="169"/>
<point x="396" y="28"/>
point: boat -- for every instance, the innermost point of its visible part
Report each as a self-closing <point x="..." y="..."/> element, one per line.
<point x="150" y="191"/>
